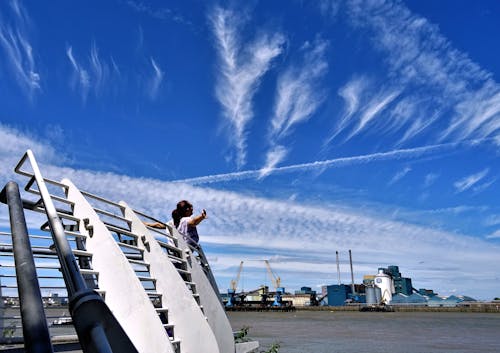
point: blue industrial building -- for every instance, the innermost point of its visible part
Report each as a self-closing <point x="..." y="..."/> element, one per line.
<point x="402" y="285"/>
<point x="337" y="294"/>
<point x="305" y="290"/>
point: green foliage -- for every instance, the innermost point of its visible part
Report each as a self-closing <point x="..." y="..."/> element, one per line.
<point x="241" y="335"/>
<point x="275" y="347"/>
<point x="9" y="331"/>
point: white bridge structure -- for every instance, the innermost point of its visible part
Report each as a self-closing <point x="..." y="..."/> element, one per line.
<point x="130" y="287"/>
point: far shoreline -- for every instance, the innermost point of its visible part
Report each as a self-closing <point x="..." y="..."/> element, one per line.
<point x="473" y="307"/>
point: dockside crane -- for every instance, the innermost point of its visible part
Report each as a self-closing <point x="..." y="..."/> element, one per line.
<point x="233" y="286"/>
<point x="276" y="280"/>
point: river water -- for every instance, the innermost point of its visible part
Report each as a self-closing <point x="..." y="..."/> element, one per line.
<point x="372" y="332"/>
<point x="357" y="332"/>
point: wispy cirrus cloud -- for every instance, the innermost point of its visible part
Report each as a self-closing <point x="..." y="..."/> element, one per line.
<point x="399" y="154"/>
<point x="469" y="181"/>
<point x="492" y="220"/>
<point x="299" y="92"/>
<point x="430" y="179"/>
<point x="274" y="156"/>
<point x="161" y="13"/>
<point x="351" y="93"/>
<point x="299" y="95"/>
<point x="99" y="69"/>
<point x="81" y="77"/>
<point x="372" y="110"/>
<point x="241" y="68"/>
<point x="15" y="143"/>
<point x="399" y="175"/>
<point x="93" y="74"/>
<point x="457" y="92"/>
<point x="494" y="235"/>
<point x="292" y="242"/>
<point x="156" y="79"/>
<point x="14" y="40"/>
<point x="364" y="104"/>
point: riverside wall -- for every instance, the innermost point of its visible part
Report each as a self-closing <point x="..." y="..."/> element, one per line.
<point x="469" y="307"/>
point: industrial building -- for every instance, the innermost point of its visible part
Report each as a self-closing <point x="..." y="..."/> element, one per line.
<point x="387" y="287"/>
<point x="401" y="285"/>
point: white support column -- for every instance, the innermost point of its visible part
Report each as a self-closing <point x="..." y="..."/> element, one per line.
<point x="214" y="311"/>
<point x="124" y="293"/>
<point x="190" y="324"/>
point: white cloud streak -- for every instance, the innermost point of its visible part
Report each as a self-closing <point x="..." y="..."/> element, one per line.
<point x="99" y="69"/>
<point x="93" y="74"/>
<point x="364" y="105"/>
<point x="372" y="110"/>
<point x="18" y="50"/>
<point x="302" y="237"/>
<point x="417" y="152"/>
<point x="241" y="68"/>
<point x="471" y="180"/>
<point x="273" y="157"/>
<point x="399" y="175"/>
<point x="81" y="76"/>
<point x="421" y="58"/>
<point x="351" y="93"/>
<point x="430" y="179"/>
<point x="162" y="13"/>
<point x="15" y="143"/>
<point x="494" y="235"/>
<point x="299" y="95"/>
<point x="156" y="80"/>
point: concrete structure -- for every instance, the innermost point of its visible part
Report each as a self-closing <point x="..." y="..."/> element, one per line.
<point x="132" y="288"/>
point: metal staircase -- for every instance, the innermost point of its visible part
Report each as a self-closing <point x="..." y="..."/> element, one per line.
<point x="153" y="283"/>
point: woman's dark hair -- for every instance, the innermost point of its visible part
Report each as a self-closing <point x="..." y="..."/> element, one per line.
<point x="182" y="207"/>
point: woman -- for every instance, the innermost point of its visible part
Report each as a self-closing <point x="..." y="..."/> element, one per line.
<point x="184" y="222"/>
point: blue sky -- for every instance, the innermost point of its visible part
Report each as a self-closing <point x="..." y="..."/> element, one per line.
<point x="303" y="127"/>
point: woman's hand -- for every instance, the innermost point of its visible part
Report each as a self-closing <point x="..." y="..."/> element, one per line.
<point x="197" y="220"/>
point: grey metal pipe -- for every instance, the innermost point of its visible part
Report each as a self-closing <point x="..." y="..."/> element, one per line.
<point x="338" y="266"/>
<point x="72" y="277"/>
<point x="352" y="274"/>
<point x="35" y="329"/>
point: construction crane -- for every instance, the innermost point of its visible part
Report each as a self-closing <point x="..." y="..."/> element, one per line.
<point x="277" y="285"/>
<point x="316" y="300"/>
<point x="233" y="286"/>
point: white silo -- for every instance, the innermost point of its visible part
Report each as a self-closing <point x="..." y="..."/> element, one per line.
<point x="384" y="282"/>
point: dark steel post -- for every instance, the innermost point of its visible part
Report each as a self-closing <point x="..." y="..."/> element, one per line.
<point x="35" y="329"/>
<point x="338" y="266"/>
<point x="352" y="274"/>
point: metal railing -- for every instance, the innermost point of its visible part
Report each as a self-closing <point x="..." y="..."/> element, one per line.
<point x="73" y="278"/>
<point x="96" y="326"/>
<point x="35" y="329"/>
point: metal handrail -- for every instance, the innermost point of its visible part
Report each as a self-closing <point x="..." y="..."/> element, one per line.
<point x="34" y="322"/>
<point x="101" y="199"/>
<point x="72" y="277"/>
<point x="97" y="328"/>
